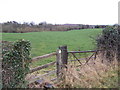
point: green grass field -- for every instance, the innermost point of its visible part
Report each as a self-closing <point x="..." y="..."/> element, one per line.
<point x="47" y="42"/>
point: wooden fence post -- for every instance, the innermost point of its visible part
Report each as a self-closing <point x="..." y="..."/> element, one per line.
<point x="62" y="59"/>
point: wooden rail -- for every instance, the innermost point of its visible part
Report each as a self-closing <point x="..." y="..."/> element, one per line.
<point x="78" y="59"/>
<point x="83" y="51"/>
<point x="61" y="60"/>
<point x="42" y="57"/>
<point x="42" y="67"/>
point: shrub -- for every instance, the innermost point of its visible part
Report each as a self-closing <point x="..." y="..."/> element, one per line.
<point x="15" y="64"/>
<point x="109" y="41"/>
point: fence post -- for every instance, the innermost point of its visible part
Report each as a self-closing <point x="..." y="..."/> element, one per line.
<point x="62" y="59"/>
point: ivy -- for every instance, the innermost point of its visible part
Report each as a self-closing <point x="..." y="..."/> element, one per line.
<point x="15" y="64"/>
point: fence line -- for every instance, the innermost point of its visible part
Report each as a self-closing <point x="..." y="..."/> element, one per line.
<point x="79" y="59"/>
<point x="42" y="57"/>
<point x="42" y="67"/>
<point x="83" y="51"/>
<point x="61" y="62"/>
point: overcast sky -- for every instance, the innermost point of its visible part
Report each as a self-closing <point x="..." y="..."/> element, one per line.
<point x="60" y="11"/>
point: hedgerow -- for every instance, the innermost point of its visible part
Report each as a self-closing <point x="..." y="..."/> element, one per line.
<point x="15" y="64"/>
<point x="109" y="42"/>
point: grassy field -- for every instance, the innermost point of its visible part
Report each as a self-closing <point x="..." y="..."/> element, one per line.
<point x="48" y="42"/>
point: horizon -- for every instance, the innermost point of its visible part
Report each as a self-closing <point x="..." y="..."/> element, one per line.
<point x="55" y="23"/>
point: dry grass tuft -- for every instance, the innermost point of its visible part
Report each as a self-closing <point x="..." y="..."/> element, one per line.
<point x="94" y="74"/>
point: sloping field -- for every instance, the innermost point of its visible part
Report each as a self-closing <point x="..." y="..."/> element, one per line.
<point x="47" y="42"/>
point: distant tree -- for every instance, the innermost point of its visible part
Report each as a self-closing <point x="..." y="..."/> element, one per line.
<point x="42" y="23"/>
<point x="32" y="23"/>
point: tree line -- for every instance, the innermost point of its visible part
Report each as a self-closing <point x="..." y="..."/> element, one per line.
<point x="15" y="27"/>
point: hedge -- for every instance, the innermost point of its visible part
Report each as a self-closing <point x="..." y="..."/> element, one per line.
<point x="15" y="63"/>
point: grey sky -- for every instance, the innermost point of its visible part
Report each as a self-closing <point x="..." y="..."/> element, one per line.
<point x="60" y="11"/>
